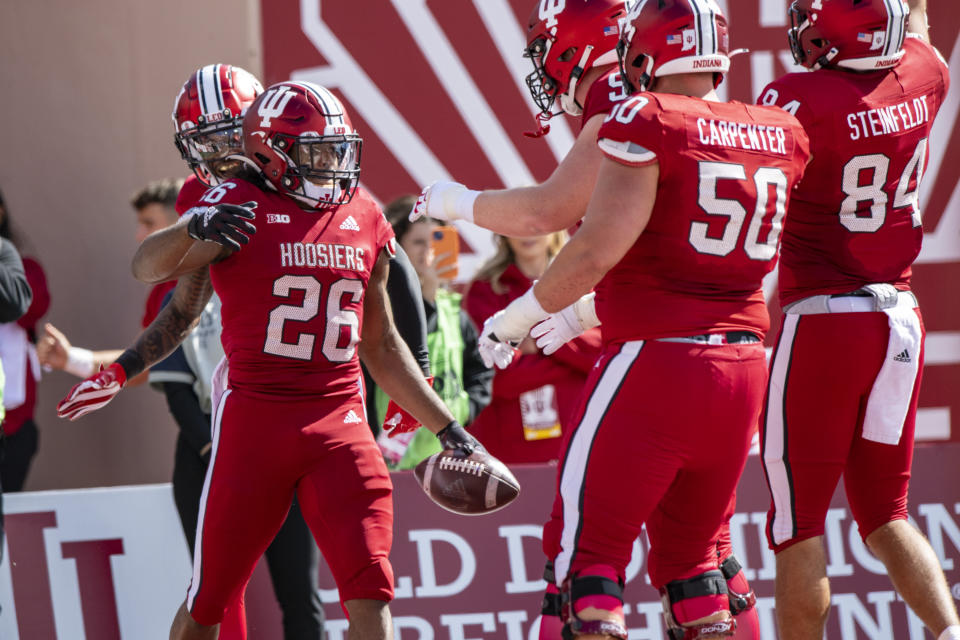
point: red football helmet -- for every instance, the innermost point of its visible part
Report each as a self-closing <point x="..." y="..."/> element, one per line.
<point x="299" y="135"/>
<point x="564" y="39"/>
<point x="207" y="115"/>
<point x="668" y="37"/>
<point x="863" y="35"/>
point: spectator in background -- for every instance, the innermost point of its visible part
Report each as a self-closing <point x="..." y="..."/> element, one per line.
<point x="21" y="369"/>
<point x="459" y="376"/>
<point x="155" y="207"/>
<point x="15" y="298"/>
<point x="534" y="396"/>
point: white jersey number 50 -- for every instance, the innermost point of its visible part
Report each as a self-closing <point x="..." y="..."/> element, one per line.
<point x="755" y="247"/>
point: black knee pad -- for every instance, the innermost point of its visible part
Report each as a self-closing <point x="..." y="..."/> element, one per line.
<point x="583" y="586"/>
<point x="741" y="595"/>
<point x="711" y="587"/>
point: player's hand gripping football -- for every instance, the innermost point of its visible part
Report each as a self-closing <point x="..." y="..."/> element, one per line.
<point x="565" y="325"/>
<point x="92" y="393"/>
<point x="445" y="201"/>
<point x="455" y="438"/>
<point x="505" y="330"/>
<point x="226" y="224"/>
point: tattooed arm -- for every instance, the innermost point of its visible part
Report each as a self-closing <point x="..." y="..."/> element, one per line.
<point x="169" y="328"/>
<point x="174" y="322"/>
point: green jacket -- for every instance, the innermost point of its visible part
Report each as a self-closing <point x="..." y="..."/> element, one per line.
<point x="446" y="347"/>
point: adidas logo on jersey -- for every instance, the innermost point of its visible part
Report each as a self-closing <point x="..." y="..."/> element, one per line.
<point x="903" y="356"/>
<point x="350" y="224"/>
<point x="352" y="418"/>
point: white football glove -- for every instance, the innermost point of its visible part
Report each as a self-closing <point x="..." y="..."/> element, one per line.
<point x="505" y="329"/>
<point x="565" y="325"/>
<point x="445" y="201"/>
<point x="493" y="352"/>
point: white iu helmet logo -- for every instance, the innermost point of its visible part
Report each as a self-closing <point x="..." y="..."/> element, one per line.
<point x="550" y="9"/>
<point x="273" y="105"/>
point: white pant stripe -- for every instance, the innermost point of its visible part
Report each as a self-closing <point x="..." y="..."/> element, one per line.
<point x="774" y="444"/>
<point x="578" y="451"/>
<point x="198" y="545"/>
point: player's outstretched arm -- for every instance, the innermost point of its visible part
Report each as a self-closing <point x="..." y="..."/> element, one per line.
<point x="616" y="216"/>
<point x="54" y="351"/>
<point x="207" y="235"/>
<point x="917" y="22"/>
<point x="389" y="360"/>
<point x="554" y="205"/>
<point x="160" y="253"/>
<point x="169" y="328"/>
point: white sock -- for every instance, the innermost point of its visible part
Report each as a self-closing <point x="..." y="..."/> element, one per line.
<point x="950" y="633"/>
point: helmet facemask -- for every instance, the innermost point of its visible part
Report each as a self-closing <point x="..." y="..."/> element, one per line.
<point x="322" y="171"/>
<point x="543" y="88"/>
<point x="214" y="152"/>
<point x="799" y="22"/>
<point x="627" y="31"/>
<point x="798" y="19"/>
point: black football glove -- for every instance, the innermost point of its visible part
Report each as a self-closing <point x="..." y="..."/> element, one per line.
<point x="455" y="437"/>
<point x="226" y="224"/>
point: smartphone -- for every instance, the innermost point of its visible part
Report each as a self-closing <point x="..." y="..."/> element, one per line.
<point x="446" y="244"/>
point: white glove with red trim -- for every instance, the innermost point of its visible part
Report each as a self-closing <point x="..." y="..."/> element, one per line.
<point x="445" y="201"/>
<point x="92" y="393"/>
<point x="565" y="325"/>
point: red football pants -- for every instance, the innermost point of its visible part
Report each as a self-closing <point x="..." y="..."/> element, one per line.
<point x="663" y="431"/>
<point x="822" y="372"/>
<point x="263" y="452"/>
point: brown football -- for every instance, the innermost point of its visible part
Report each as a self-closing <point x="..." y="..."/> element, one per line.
<point x="472" y="485"/>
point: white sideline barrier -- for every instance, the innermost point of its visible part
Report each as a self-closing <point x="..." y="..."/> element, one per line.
<point x="133" y="529"/>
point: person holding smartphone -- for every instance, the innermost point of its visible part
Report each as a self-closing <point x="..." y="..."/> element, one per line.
<point x="459" y="375"/>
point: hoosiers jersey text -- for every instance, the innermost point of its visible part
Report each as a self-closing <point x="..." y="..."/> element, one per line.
<point x="855" y="217"/>
<point x="726" y="172"/>
<point x="292" y="299"/>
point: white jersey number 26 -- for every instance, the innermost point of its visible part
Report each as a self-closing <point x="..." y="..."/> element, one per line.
<point x="337" y="319"/>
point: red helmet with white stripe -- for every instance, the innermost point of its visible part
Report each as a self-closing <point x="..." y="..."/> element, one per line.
<point x="862" y="35"/>
<point x="207" y="115"/>
<point x="299" y="135"/>
<point x="668" y="37"/>
<point x="564" y="39"/>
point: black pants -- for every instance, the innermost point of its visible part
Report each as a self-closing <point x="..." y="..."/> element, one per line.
<point x="292" y="558"/>
<point x="20" y="448"/>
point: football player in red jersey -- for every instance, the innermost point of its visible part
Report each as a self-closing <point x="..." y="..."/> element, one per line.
<point x="572" y="47"/>
<point x="683" y="224"/>
<point x="852" y="232"/>
<point x="289" y="414"/>
<point x="207" y="115"/>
